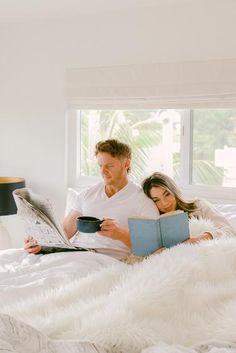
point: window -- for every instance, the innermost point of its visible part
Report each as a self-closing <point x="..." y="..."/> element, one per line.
<point x="214" y="147"/>
<point x="197" y="148"/>
<point x="154" y="137"/>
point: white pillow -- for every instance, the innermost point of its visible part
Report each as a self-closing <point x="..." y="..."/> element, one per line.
<point x="229" y="211"/>
<point x="70" y="199"/>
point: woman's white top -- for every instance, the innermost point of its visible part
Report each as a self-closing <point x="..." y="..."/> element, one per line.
<point x="222" y="226"/>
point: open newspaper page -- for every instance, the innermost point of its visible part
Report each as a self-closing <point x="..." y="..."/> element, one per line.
<point x="40" y="221"/>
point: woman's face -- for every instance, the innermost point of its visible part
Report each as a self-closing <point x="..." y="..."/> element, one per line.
<point x="163" y="199"/>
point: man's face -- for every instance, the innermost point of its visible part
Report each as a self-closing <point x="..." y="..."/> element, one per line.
<point x="112" y="169"/>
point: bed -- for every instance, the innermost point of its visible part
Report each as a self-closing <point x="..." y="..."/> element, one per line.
<point x="183" y="300"/>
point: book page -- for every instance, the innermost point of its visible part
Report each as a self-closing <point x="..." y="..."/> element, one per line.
<point x="168" y="214"/>
<point x="139" y="216"/>
<point x="44" y="234"/>
<point x="172" y="213"/>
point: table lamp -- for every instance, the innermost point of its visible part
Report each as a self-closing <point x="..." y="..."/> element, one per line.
<point x="7" y="205"/>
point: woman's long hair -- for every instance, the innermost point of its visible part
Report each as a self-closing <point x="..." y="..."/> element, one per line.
<point x="164" y="181"/>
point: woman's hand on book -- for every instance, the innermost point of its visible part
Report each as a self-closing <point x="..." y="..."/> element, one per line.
<point x="31" y="245"/>
<point x="198" y="238"/>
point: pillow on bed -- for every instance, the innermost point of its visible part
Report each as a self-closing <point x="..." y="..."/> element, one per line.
<point x="71" y="196"/>
<point x="229" y="211"/>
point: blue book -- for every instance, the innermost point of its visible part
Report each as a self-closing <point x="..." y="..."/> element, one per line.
<point x="148" y="235"/>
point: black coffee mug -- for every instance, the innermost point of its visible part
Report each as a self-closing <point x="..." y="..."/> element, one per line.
<point x="86" y="224"/>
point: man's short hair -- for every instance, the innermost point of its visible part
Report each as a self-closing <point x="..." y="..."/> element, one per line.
<point x="114" y="147"/>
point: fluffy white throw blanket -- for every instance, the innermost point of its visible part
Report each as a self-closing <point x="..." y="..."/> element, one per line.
<point x="183" y="296"/>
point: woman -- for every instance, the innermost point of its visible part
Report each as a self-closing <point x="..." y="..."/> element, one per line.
<point x="166" y="195"/>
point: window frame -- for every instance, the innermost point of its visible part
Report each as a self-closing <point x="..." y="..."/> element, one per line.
<point x="215" y="194"/>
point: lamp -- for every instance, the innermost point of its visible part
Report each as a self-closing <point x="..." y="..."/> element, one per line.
<point x="7" y="205"/>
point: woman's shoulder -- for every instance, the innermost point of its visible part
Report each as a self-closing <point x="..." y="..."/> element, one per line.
<point x="202" y="203"/>
<point x="200" y="200"/>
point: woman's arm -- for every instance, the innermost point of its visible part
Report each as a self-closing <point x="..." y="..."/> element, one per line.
<point x="200" y="237"/>
<point x="222" y="226"/>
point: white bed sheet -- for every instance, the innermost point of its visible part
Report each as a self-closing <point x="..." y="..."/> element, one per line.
<point x="123" y="308"/>
<point x="22" y="275"/>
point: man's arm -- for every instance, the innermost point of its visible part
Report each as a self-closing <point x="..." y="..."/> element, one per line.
<point x="111" y="229"/>
<point x="69" y="223"/>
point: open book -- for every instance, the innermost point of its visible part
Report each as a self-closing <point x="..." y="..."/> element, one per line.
<point x="148" y="235"/>
<point x="40" y="221"/>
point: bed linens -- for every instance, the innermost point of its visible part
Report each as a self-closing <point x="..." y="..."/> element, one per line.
<point x="184" y="296"/>
<point x="23" y="275"/>
<point x="143" y="305"/>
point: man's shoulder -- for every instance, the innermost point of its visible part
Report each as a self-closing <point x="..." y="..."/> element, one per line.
<point x="136" y="189"/>
<point x="93" y="189"/>
<point x="144" y="205"/>
<point x="133" y="187"/>
<point x="139" y="195"/>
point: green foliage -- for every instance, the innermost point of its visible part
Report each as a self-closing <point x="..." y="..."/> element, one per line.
<point x="213" y="129"/>
<point x="205" y="172"/>
<point x="140" y="129"/>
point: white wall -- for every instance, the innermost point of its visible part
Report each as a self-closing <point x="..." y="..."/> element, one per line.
<point x="34" y="57"/>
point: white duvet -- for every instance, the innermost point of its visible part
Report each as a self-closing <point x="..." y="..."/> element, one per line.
<point x="23" y="275"/>
<point x="168" y="303"/>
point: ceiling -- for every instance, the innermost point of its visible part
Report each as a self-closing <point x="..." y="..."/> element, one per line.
<point x="15" y="11"/>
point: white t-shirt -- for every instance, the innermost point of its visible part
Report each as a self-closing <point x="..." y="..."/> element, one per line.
<point x="129" y="201"/>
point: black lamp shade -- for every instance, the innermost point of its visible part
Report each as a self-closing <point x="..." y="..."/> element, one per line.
<point x="7" y="202"/>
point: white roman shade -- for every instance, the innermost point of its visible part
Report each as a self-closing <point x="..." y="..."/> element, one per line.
<point x="198" y="84"/>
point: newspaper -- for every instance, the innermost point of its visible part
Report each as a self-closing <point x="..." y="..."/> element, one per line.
<point x="40" y="220"/>
<point x="41" y="223"/>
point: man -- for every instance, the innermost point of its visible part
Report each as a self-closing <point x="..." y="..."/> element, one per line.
<point x="114" y="200"/>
